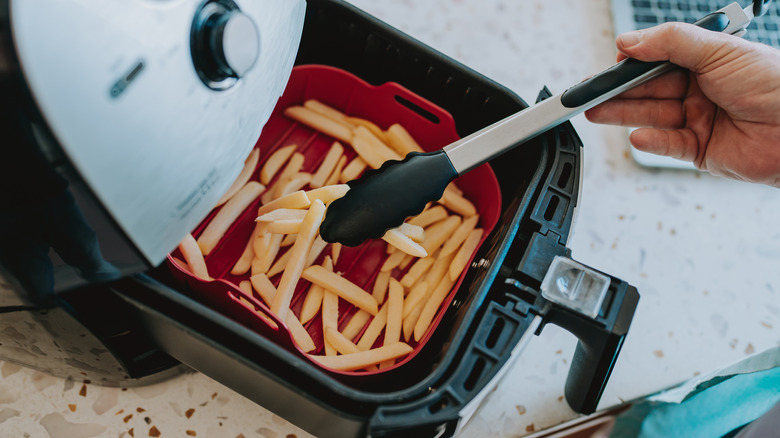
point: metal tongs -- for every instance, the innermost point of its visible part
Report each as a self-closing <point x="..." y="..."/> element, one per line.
<point x="383" y="198"/>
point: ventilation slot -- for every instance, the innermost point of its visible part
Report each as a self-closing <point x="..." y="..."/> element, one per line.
<point x="418" y="109"/>
<point x="495" y="333"/>
<point x="549" y="214"/>
<point x="476" y="373"/>
<point x="565" y="176"/>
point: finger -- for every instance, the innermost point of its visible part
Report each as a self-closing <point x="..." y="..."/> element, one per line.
<point x="683" y="44"/>
<point x="671" y="85"/>
<point x="676" y="143"/>
<point x="662" y="114"/>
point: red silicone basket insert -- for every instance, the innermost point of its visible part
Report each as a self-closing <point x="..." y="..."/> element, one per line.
<point x="384" y="105"/>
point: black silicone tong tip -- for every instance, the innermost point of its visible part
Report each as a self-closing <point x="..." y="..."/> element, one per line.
<point x="383" y="198"/>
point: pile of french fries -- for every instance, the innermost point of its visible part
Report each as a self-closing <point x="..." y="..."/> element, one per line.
<point x="425" y="256"/>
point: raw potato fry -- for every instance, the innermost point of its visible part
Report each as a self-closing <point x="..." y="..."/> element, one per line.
<point x="414" y="232"/>
<point x="328" y="194"/>
<point x="338" y="130"/>
<point x="282" y="214"/>
<point x="358" y="320"/>
<point x="457" y="203"/>
<point x="405" y="262"/>
<point x="431" y="306"/>
<point x="243" y="177"/>
<point x="244" y="262"/>
<point x="401" y="241"/>
<point x="326" y="110"/>
<point x="227" y="215"/>
<point x="464" y="253"/>
<point x="399" y="139"/>
<point x="376" y="130"/>
<point x="335" y="176"/>
<point x="302" y="245"/>
<point x="264" y="287"/>
<point x="459" y="235"/>
<point x="454" y="187"/>
<point x="340" y="342"/>
<point x="313" y="301"/>
<point x="288" y="240"/>
<point x="293" y="184"/>
<point x="411" y="320"/>
<point x="386" y="153"/>
<point x="415" y="298"/>
<point x="374" y="328"/>
<point x="294" y="165"/>
<point x="299" y="333"/>
<point x="245" y="286"/>
<point x="330" y="310"/>
<point x="363" y="359"/>
<point x="335" y="252"/>
<point x="380" y="286"/>
<point x="440" y="268"/>
<point x="293" y="200"/>
<point x="439" y="232"/>
<point x="275" y="162"/>
<point x="194" y="257"/>
<point x="393" y="261"/>
<point x="285" y="226"/>
<point x="280" y="263"/>
<point x="395" y="309"/>
<point x="353" y="170"/>
<point x="416" y="271"/>
<point x="429" y="216"/>
<point x="342" y="287"/>
<point x="263" y="260"/>
<point x="181" y="263"/>
<point x="367" y="151"/>
<point x="327" y="165"/>
<point x="316" y="249"/>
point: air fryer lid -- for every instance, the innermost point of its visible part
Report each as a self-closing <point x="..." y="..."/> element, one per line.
<point x="156" y="103"/>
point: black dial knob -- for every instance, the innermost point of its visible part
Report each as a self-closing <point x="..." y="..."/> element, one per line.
<point x="225" y="44"/>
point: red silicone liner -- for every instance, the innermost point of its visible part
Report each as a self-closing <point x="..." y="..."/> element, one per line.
<point x="385" y="104"/>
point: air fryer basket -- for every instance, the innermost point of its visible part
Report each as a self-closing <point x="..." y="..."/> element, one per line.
<point x="495" y="310"/>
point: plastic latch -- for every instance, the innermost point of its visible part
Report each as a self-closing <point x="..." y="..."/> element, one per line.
<point x="575" y="286"/>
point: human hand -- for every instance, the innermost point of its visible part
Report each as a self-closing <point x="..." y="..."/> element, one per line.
<point x="722" y="112"/>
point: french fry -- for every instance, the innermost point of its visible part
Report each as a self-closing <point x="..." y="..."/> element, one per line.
<point x="375" y="327"/>
<point x="288" y="240"/>
<point x="282" y="214"/>
<point x="355" y="324"/>
<point x="244" y="261"/>
<point x="395" y="309"/>
<point x="414" y="232"/>
<point x="245" y="286"/>
<point x="293" y="200"/>
<point x="401" y="241"/>
<point x="367" y="151"/>
<point x="376" y="130"/>
<point x="292" y="184"/>
<point x="363" y="134"/>
<point x="457" y="203"/>
<point x="328" y="194"/>
<point x="299" y="333"/>
<point x="285" y="226"/>
<point x="363" y="359"/>
<point x="353" y="170"/>
<point x="454" y="188"/>
<point x="335" y="176"/>
<point x="227" y="215"/>
<point x="340" y="342"/>
<point x="327" y="165"/>
<point x="330" y="315"/>
<point x="459" y="235"/>
<point x="405" y="261"/>
<point x="302" y="245"/>
<point x="338" y="130"/>
<point x="335" y="251"/>
<point x="431" y="306"/>
<point x="264" y="287"/>
<point x="342" y="287"/>
<point x="464" y="253"/>
<point x="280" y="263"/>
<point x="327" y="111"/>
<point x="438" y="233"/>
<point x="243" y="177"/>
<point x="399" y="139"/>
<point x="313" y="301"/>
<point x="180" y="263"/>
<point x="380" y="286"/>
<point x="393" y="261"/>
<point x="416" y="271"/>
<point x="194" y="257"/>
<point x="411" y="320"/>
<point x="293" y="166"/>
<point x="263" y="260"/>
<point x="439" y="269"/>
<point x="429" y="216"/>
<point x="275" y="162"/>
<point x="416" y="296"/>
<point x="316" y="249"/>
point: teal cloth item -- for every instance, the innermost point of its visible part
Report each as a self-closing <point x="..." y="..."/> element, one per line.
<point x="711" y="409"/>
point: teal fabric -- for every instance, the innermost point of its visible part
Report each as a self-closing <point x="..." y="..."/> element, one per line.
<point x="712" y="410"/>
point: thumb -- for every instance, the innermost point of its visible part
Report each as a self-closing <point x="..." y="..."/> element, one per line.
<point x="686" y="45"/>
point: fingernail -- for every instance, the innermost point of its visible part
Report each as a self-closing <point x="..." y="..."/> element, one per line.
<point x="630" y="39"/>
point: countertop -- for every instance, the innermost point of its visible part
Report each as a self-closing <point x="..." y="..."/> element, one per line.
<point x="703" y="251"/>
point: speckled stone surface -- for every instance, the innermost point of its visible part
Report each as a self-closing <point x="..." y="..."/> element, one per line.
<point x="704" y="253"/>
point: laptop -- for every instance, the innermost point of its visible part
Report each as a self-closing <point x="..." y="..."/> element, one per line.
<point x="630" y="15"/>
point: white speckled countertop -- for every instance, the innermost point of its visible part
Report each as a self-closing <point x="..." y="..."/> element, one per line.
<point x="703" y="252"/>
